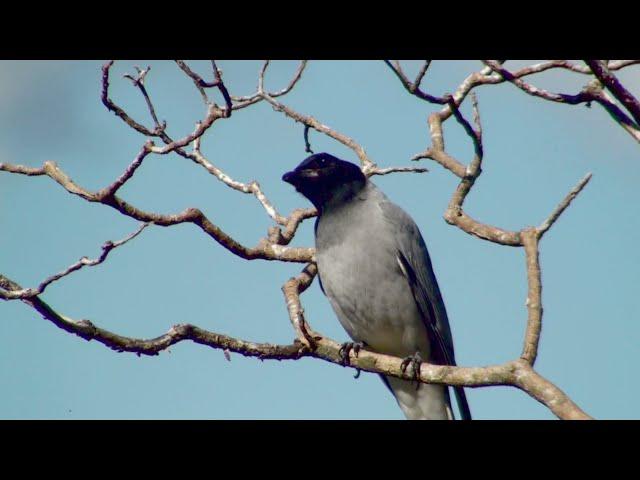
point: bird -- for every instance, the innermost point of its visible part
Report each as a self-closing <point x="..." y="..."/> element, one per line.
<point x="375" y="270"/>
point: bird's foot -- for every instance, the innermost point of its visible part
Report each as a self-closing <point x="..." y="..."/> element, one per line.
<point x="346" y="349"/>
<point x="415" y="361"/>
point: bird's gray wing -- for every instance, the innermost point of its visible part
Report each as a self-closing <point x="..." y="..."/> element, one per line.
<point x="413" y="259"/>
<point x="315" y="234"/>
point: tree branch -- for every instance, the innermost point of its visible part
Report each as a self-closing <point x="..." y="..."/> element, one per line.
<point x="611" y="82"/>
<point x="256" y="97"/>
<point x="513" y="373"/>
<point x="265" y="249"/>
<point x="308" y="343"/>
<point x="562" y="206"/>
<point x="107" y="247"/>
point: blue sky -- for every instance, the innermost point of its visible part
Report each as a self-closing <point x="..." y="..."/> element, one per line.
<point x="535" y="152"/>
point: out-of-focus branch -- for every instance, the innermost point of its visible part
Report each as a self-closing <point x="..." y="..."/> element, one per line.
<point x="83" y="262"/>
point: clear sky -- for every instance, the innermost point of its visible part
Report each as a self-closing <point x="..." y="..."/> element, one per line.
<point x="535" y="152"/>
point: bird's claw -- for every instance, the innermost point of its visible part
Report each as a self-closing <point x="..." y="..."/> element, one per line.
<point x="345" y="350"/>
<point x="415" y="361"/>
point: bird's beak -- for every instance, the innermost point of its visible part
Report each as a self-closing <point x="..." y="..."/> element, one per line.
<point x="295" y="177"/>
<point x="290" y="177"/>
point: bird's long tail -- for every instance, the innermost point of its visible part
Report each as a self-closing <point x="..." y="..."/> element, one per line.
<point x="426" y="402"/>
<point x="463" y="404"/>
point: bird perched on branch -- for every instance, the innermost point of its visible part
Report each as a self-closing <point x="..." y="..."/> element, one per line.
<point x="374" y="268"/>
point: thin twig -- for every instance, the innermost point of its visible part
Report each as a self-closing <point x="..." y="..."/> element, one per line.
<point x="307" y="145"/>
<point x="562" y="206"/>
<point x="265" y="249"/>
<point x="107" y="247"/>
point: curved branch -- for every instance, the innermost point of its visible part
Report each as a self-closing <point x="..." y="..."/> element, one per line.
<point x="515" y="373"/>
<point x="265" y="249"/>
<point x="365" y="161"/>
<point x="83" y="262"/>
<point x="256" y="97"/>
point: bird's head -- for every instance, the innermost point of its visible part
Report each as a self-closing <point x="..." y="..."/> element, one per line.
<point x="325" y="179"/>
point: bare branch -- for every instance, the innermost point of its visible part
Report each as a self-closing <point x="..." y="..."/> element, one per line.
<point x="217" y="74"/>
<point x="516" y="373"/>
<point x="252" y="187"/>
<point x="546" y="225"/>
<point x="116" y="109"/>
<point x="265" y="249"/>
<point x="421" y="73"/>
<point x="365" y="162"/>
<point x="388" y="170"/>
<point x="476" y="136"/>
<point x="201" y="84"/>
<point x="519" y="372"/>
<point x="256" y="97"/>
<point x="488" y="76"/>
<point x="111" y="190"/>
<point x="307" y="145"/>
<point x="534" y="296"/>
<point x="618" y="90"/>
<point x="107" y="247"/>
<point x="274" y="246"/>
<point x="581" y="97"/>
<point x="197" y="80"/>
<point x="213" y="113"/>
<point x="292" y="290"/>
<point x="545" y="392"/>
<point x="589" y="93"/>
<point x="414" y="87"/>
<point x="139" y="82"/>
<point x="617" y="114"/>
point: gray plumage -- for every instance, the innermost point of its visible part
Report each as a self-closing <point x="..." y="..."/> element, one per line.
<point x="375" y="270"/>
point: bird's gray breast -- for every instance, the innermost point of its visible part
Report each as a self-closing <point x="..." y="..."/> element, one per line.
<point x="363" y="279"/>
